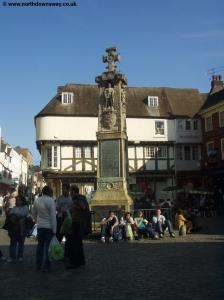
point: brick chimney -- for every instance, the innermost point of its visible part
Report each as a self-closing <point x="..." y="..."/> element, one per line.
<point x="217" y="84"/>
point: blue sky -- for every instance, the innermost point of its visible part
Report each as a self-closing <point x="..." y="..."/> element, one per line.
<point x="162" y="43"/>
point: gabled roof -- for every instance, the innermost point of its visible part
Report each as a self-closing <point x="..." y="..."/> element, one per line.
<point x="172" y="102"/>
<point x="213" y="99"/>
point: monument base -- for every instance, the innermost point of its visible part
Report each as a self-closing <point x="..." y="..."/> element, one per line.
<point x="103" y="201"/>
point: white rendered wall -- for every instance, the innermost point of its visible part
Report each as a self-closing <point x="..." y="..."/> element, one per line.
<point x="85" y="128"/>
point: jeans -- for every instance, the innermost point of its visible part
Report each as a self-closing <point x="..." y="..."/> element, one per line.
<point x="44" y="236"/>
<point x="146" y="230"/>
<point x="14" y="242"/>
<point x="160" y="228"/>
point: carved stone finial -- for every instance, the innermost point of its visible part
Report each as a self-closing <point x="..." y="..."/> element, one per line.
<point x="111" y="58"/>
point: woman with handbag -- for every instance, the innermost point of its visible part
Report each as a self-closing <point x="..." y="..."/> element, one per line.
<point x="17" y="230"/>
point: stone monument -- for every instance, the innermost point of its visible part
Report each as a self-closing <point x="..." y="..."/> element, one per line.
<point x="112" y="171"/>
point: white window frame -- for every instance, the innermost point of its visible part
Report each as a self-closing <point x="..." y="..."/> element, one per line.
<point x="195" y="152"/>
<point x="87" y="152"/>
<point x="180" y="125"/>
<point x="78" y="152"/>
<point x="179" y="152"/>
<point x="185" y="152"/>
<point x="159" y="131"/>
<point x="208" y="123"/>
<point x="221" y="119"/>
<point x="189" y="123"/>
<point x="161" y="152"/>
<point x="150" y="151"/>
<point x="195" y="124"/>
<point x="153" y="101"/>
<point x="222" y="148"/>
<point x="67" y="98"/>
<point x="51" y="156"/>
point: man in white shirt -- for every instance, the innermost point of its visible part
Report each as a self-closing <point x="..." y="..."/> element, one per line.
<point x="160" y="224"/>
<point x="44" y="213"/>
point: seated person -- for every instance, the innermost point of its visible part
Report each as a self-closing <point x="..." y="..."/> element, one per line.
<point x="108" y="226"/>
<point x="128" y="226"/>
<point x="160" y="224"/>
<point x="143" y="226"/>
<point x="180" y="221"/>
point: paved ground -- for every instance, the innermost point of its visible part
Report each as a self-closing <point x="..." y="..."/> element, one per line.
<point x="180" y="268"/>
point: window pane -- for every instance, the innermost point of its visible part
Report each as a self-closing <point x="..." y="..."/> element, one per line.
<point x="64" y="98"/>
<point x="208" y="123"/>
<point x="161" y="152"/>
<point x="195" y="124"/>
<point x="149" y="151"/>
<point x="179" y="154"/>
<point x="159" y="127"/>
<point x="55" y="156"/>
<point x="188" y="125"/>
<point x="153" y="101"/>
<point x="195" y="152"/>
<point x="187" y="153"/>
<point x="211" y="152"/>
<point x="49" y="157"/>
<point x="221" y="116"/>
<point x="88" y="152"/>
<point x="78" y="152"/>
<point x="179" y="124"/>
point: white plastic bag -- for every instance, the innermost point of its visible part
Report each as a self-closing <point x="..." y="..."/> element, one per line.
<point x="56" y="251"/>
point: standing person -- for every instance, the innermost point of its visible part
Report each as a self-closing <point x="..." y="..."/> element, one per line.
<point x="44" y="212"/>
<point x="73" y="246"/>
<point x="10" y="201"/>
<point x="63" y="206"/>
<point x="17" y="231"/>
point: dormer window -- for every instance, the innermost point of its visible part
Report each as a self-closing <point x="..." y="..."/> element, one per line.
<point x="153" y="101"/>
<point x="67" y="98"/>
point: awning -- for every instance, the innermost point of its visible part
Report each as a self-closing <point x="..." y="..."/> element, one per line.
<point x="174" y="188"/>
<point x="201" y="191"/>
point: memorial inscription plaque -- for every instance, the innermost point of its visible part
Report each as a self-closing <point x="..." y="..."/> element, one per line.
<point x="109" y="166"/>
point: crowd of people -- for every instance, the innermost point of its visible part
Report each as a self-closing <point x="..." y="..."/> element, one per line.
<point x="48" y="216"/>
<point x="69" y="217"/>
<point x="129" y="228"/>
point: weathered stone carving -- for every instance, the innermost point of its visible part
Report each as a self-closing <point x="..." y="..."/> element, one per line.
<point x="109" y="98"/>
<point x="108" y="118"/>
<point x="110" y="186"/>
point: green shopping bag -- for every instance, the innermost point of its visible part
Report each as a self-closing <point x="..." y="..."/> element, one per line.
<point x="56" y="251"/>
<point x="66" y="227"/>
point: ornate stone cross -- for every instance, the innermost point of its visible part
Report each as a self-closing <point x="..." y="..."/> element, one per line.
<point x="111" y="58"/>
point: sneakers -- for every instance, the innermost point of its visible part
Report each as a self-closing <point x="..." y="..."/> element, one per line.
<point x="161" y="235"/>
<point x="111" y="240"/>
<point x="103" y="239"/>
<point x="20" y="259"/>
<point x="172" y="235"/>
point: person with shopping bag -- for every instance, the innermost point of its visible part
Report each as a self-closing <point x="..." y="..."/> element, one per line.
<point x="44" y="213"/>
